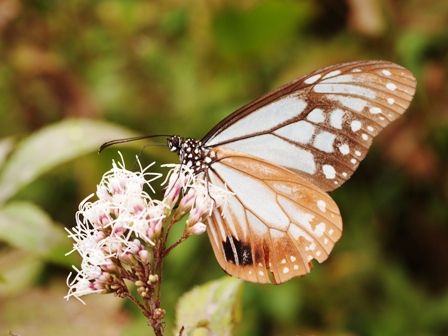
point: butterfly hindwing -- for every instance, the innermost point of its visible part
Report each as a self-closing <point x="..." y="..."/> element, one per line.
<point x="321" y="125"/>
<point x="274" y="223"/>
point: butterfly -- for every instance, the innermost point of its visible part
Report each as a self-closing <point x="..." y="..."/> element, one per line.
<point x="281" y="154"/>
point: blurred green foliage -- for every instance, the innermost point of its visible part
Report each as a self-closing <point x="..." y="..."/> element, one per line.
<point x="95" y="70"/>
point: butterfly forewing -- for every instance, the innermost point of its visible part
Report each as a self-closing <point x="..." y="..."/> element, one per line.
<point x="274" y="223"/>
<point x="321" y="125"/>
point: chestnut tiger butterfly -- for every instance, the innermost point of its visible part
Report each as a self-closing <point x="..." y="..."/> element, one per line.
<point x="279" y="156"/>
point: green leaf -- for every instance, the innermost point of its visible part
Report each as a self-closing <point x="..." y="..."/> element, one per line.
<point x="212" y="308"/>
<point x="19" y="271"/>
<point x="25" y="226"/>
<point x="52" y="146"/>
<point x="6" y="145"/>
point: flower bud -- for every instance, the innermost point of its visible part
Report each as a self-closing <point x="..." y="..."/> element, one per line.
<point x="197" y="229"/>
<point x="153" y="278"/>
<point x="173" y="191"/>
<point x="159" y="313"/>
<point x="144" y="256"/>
<point x="187" y="201"/>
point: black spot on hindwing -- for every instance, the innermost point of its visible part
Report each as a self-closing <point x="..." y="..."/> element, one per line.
<point x="243" y="251"/>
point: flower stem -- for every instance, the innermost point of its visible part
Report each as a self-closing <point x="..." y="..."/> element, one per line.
<point x="180" y="240"/>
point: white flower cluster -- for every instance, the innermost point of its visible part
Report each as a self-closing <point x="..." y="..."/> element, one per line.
<point x="124" y="223"/>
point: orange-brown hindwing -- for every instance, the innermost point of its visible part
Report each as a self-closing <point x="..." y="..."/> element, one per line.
<point x="273" y="224"/>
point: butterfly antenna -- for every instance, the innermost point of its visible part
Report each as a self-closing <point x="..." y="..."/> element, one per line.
<point x="120" y="141"/>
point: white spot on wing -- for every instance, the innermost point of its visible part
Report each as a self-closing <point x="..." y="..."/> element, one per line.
<point x="316" y="116"/>
<point x="386" y="72"/>
<point x="312" y="79"/>
<point x="332" y="73"/>
<point x="322" y="205"/>
<point x="300" y="132"/>
<point x="356" y="104"/>
<point x="345" y="89"/>
<point x="344" y="149"/>
<point x="311" y="247"/>
<point x="356" y="125"/>
<point x="320" y="229"/>
<point x="336" y="118"/>
<point x="375" y="110"/>
<point x="285" y="270"/>
<point x="390" y="101"/>
<point x="391" y="86"/>
<point x="324" y="141"/>
<point x="329" y="171"/>
<point x="339" y="79"/>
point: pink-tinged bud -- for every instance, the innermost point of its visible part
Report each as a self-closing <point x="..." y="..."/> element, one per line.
<point x="195" y="216"/>
<point x="144" y="256"/>
<point x="172" y="192"/>
<point x="115" y="186"/>
<point x="135" y="246"/>
<point x="158" y="228"/>
<point x="150" y="233"/>
<point x="197" y="229"/>
<point x="126" y="258"/>
<point x="103" y="278"/>
<point x="118" y="229"/>
<point x="187" y="202"/>
<point x="110" y="267"/>
<point x="136" y="205"/>
<point x="104" y="220"/>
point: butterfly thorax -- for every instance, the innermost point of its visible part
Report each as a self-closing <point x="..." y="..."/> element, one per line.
<point x="192" y="153"/>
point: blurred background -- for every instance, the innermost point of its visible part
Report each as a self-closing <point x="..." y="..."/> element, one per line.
<point x="75" y="73"/>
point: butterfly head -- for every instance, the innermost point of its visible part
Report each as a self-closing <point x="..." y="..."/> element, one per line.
<point x="175" y="143"/>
